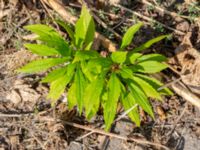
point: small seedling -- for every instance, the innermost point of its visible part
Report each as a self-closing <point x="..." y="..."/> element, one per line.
<point x="159" y="27"/>
<point x="91" y="80"/>
<point x="102" y="15"/>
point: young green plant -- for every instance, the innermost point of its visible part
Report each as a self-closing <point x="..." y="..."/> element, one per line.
<point x="92" y="81"/>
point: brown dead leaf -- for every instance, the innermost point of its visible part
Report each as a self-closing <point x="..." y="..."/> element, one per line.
<point x="14" y="140"/>
<point x="29" y="94"/>
<point x="14" y="97"/>
<point x="183" y="26"/>
<point x="22" y="92"/>
<point x="161" y="113"/>
<point x="143" y="115"/>
<point x="18" y="59"/>
<point x="189" y="59"/>
<point x="190" y="1"/>
<point x="64" y="113"/>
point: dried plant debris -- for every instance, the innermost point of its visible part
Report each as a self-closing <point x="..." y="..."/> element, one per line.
<point x="29" y="133"/>
<point x="25" y="114"/>
<point x="188" y="58"/>
<point x="22" y="93"/>
<point x="15" y="60"/>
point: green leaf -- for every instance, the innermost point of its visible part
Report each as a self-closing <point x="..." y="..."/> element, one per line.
<point x="42" y="65"/>
<point x="147" y="88"/>
<point x="104" y="97"/>
<point x="79" y="33"/>
<point x="85" y="55"/>
<point x="67" y="29"/>
<point x="132" y="57"/>
<point x="58" y="86"/>
<point x="118" y="57"/>
<point x="71" y="96"/>
<point x="104" y="63"/>
<point x="155" y="84"/>
<point x="128" y="36"/>
<point x="76" y="91"/>
<point x="128" y="102"/>
<point x="92" y="96"/>
<point x="55" y="74"/>
<point x="110" y="105"/>
<point x="150" y="43"/>
<point x="153" y="57"/>
<point x="86" y="71"/>
<point x="80" y="84"/>
<point x="149" y="67"/>
<point x="50" y="37"/>
<point x="41" y="30"/>
<point x="84" y="29"/>
<point x="140" y="98"/>
<point x="94" y="67"/>
<point x="126" y="73"/>
<point x="90" y="35"/>
<point x="41" y="50"/>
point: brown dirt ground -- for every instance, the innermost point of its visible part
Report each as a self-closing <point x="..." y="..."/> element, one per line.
<point x="27" y="120"/>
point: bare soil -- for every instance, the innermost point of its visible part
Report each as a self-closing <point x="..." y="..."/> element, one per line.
<point x="27" y="120"/>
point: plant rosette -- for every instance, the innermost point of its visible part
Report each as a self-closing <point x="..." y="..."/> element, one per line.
<point x="92" y="81"/>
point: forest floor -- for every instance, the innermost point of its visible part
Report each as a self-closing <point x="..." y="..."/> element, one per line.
<point x="27" y="120"/>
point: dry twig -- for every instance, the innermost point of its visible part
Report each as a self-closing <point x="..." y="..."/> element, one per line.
<point x="3" y="115"/>
<point x="48" y="12"/>
<point x="186" y="94"/>
<point x="112" y="135"/>
<point x="117" y="119"/>
<point x="125" y="113"/>
<point x="176" y="122"/>
<point x="99" y="131"/>
<point x="33" y="135"/>
<point x="150" y="19"/>
<point x="106" y="26"/>
<point x="4" y="13"/>
<point x="173" y="14"/>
